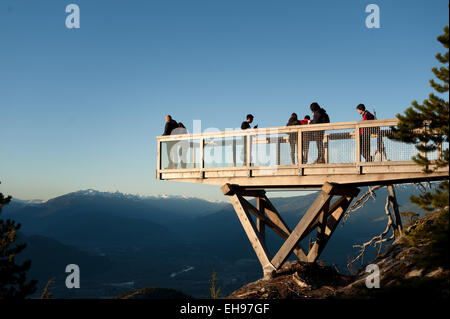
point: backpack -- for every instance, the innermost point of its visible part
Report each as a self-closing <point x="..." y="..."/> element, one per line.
<point x="324" y="118"/>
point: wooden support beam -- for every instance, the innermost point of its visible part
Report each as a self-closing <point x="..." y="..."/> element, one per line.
<point x="328" y="228"/>
<point x="299" y="231"/>
<point x="322" y="214"/>
<point x="394" y="204"/>
<point x="283" y="233"/>
<point x="231" y="189"/>
<point x="253" y="235"/>
<point x="275" y="217"/>
<point x="260" y="223"/>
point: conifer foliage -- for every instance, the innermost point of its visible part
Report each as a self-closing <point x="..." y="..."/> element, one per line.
<point x="12" y="275"/>
<point x="426" y="126"/>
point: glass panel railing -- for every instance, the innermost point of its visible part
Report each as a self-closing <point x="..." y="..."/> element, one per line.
<point x="337" y="144"/>
<point x="225" y="152"/>
<point x="178" y="154"/>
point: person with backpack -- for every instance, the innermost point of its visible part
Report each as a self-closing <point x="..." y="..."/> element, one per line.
<point x="293" y="137"/>
<point x="182" y="145"/>
<point x="319" y="116"/>
<point x="170" y="126"/>
<point x="365" y="133"/>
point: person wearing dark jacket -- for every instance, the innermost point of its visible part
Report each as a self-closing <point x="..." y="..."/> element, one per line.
<point x="182" y="145"/>
<point x="319" y="116"/>
<point x="293" y="137"/>
<point x="365" y="133"/>
<point x="245" y="126"/>
<point x="171" y="125"/>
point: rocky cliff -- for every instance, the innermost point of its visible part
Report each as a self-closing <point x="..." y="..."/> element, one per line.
<point x="416" y="264"/>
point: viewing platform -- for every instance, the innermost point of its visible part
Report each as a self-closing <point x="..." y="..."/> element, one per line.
<point x="286" y="157"/>
<point x="338" y="158"/>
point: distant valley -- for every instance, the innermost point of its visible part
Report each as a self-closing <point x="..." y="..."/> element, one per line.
<point x="124" y="242"/>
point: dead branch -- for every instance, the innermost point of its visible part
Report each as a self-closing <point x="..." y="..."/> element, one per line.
<point x="421" y="187"/>
<point x="376" y="240"/>
<point x="361" y="202"/>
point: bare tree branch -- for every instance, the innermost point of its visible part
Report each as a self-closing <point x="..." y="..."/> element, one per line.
<point x="376" y="240"/>
<point x="361" y="202"/>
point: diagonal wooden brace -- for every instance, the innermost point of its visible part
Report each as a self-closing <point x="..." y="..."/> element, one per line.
<point x="299" y="231"/>
<point x="320" y="215"/>
<point x="253" y="235"/>
<point x="276" y="224"/>
<point x="329" y="225"/>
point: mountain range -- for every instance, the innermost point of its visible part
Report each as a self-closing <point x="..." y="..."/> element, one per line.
<point x="123" y="242"/>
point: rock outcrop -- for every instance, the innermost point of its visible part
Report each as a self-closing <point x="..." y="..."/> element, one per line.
<point x="415" y="265"/>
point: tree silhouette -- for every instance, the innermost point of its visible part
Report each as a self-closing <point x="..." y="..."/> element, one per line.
<point x="12" y="275"/>
<point x="426" y="126"/>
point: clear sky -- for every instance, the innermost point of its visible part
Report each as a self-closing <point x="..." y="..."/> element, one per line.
<point x="81" y="108"/>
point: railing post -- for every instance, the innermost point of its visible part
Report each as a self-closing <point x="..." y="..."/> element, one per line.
<point x="357" y="146"/>
<point x="158" y="162"/>
<point x="234" y="150"/>
<point x="192" y="144"/>
<point x="299" y="147"/>
<point x="278" y="149"/>
<point x="248" y="150"/>
<point x="202" y="156"/>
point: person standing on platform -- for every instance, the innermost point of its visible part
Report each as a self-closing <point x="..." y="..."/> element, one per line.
<point x="182" y="145"/>
<point x="293" y="137"/>
<point x="171" y="125"/>
<point x="306" y="120"/>
<point x="319" y="116"/>
<point x="364" y="133"/>
<point x="245" y="126"/>
<point x="306" y="137"/>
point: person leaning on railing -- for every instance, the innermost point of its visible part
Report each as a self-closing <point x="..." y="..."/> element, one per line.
<point x="171" y="124"/>
<point x="293" y="120"/>
<point x="182" y="145"/>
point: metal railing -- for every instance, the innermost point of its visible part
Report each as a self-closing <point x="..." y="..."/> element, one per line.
<point x="335" y="144"/>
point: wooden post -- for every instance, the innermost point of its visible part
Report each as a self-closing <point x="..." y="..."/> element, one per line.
<point x="329" y="226"/>
<point x="278" y="150"/>
<point x="192" y="144"/>
<point x="259" y="222"/>
<point x="300" y="230"/>
<point x="202" y="156"/>
<point x="253" y="235"/>
<point x="357" y="145"/>
<point x="248" y="153"/>
<point x="394" y="205"/>
<point x="234" y="151"/>
<point x="299" y="148"/>
<point x="158" y="162"/>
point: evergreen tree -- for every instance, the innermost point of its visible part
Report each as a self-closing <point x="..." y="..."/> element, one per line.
<point x="12" y="276"/>
<point x="426" y="126"/>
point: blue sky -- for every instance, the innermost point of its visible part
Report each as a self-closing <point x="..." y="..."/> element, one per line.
<point x="81" y="108"/>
